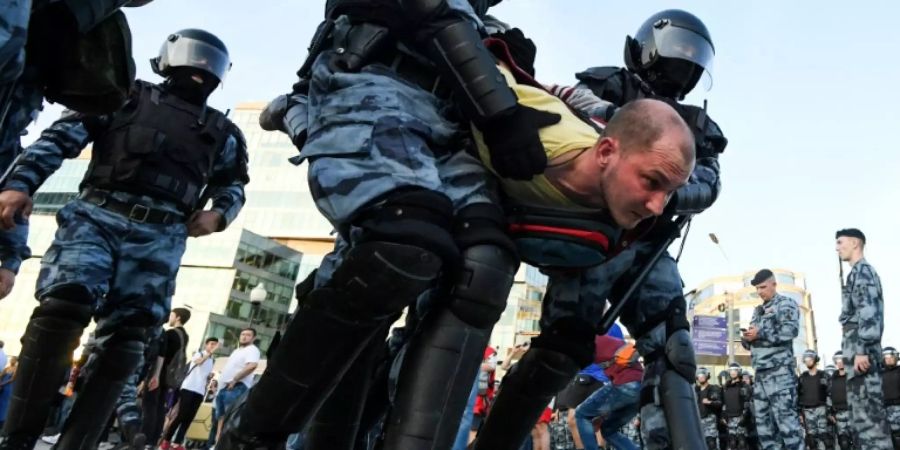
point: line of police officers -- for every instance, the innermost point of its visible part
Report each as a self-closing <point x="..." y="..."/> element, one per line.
<point x="727" y="413"/>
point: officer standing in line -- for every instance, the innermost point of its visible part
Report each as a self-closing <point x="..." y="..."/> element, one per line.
<point x="840" y="410"/>
<point x="862" y="319"/>
<point x="155" y="164"/>
<point x="709" y="401"/>
<point x="891" y="387"/>
<point x="736" y="397"/>
<point x="812" y="395"/>
<point x="770" y="339"/>
<point x="750" y="422"/>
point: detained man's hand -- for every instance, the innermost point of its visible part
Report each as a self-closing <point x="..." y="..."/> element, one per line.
<point x="861" y="363"/>
<point x="7" y="281"/>
<point x="12" y="203"/>
<point x="203" y="223"/>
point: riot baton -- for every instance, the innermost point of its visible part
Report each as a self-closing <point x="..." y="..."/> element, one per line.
<point x="615" y="309"/>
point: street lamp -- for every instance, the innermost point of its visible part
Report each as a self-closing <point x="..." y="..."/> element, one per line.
<point x="257" y="295"/>
<point x="729" y="303"/>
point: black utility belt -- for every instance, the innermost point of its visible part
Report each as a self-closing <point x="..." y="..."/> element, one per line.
<point x="849" y="327"/>
<point x="133" y="211"/>
<point x="813" y="406"/>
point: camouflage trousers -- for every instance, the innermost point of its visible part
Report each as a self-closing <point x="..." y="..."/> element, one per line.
<point x="867" y="412"/>
<point x="893" y="417"/>
<point x="125" y="269"/>
<point x="842" y="427"/>
<point x="737" y="433"/>
<point x="710" y="426"/>
<point x="818" y="430"/>
<point x="775" y="408"/>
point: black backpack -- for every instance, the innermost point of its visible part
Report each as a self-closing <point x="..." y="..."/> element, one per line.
<point x="176" y="371"/>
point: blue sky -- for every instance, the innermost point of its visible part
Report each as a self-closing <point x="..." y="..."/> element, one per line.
<point x="804" y="91"/>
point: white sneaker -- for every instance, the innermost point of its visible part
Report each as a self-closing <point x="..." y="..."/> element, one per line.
<point x="52" y="440"/>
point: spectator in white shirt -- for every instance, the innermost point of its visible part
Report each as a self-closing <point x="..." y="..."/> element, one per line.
<point x="193" y="389"/>
<point x="237" y="376"/>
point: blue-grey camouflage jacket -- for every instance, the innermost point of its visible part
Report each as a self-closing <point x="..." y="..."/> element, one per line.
<point x="68" y="136"/>
<point x="863" y="307"/>
<point x="778" y="323"/>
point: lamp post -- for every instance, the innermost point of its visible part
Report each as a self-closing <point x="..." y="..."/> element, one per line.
<point x="729" y="303"/>
<point x="257" y="295"/>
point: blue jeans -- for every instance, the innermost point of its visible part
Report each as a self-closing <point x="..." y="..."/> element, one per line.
<point x="465" y="425"/>
<point x="616" y="405"/>
<point x="226" y="397"/>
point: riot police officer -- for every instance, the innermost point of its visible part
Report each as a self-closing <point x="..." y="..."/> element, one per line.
<point x="840" y="409"/>
<point x="413" y="212"/>
<point x="709" y="402"/>
<point x="671" y="51"/>
<point x="155" y="164"/>
<point x="890" y="384"/>
<point x="812" y="396"/>
<point x="736" y="397"/>
<point x="79" y="55"/>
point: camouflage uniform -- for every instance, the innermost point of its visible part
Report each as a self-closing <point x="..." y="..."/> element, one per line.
<point x="843" y="427"/>
<point x="862" y="318"/>
<point x="130" y="266"/>
<point x="709" y="414"/>
<point x="812" y="394"/>
<point x="815" y="421"/>
<point x="775" y="389"/>
<point x="120" y="269"/>
<point x="837" y="399"/>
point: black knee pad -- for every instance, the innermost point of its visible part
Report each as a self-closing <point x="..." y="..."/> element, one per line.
<point x="489" y="265"/>
<point x="571" y="337"/>
<point x="416" y="217"/>
<point x="543" y="372"/>
<point x="76" y="310"/>
<point x="376" y="280"/>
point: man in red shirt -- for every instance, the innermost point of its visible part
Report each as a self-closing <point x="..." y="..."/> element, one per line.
<point x="616" y="403"/>
<point x="485" y="389"/>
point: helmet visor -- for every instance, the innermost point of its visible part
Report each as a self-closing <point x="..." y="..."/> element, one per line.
<point x="188" y="52"/>
<point x="681" y="43"/>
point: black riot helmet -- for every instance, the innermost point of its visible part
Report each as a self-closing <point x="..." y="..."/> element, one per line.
<point x="671" y="51"/>
<point x="193" y="48"/>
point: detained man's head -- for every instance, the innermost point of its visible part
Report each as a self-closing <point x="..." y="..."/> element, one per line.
<point x="644" y="155"/>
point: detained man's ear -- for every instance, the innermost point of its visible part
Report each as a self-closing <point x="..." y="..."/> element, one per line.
<point x="606" y="150"/>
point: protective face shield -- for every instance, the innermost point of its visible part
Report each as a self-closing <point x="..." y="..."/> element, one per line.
<point x="193" y="48"/>
<point x="702" y="375"/>
<point x="672" y="51"/>
<point x="890" y="355"/>
<point x="810" y="358"/>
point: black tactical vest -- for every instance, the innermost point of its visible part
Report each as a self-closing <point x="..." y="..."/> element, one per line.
<point x="839" y="392"/>
<point x="158" y="145"/>
<point x="813" y="390"/>
<point x="732" y="400"/>
<point x="890" y="384"/>
<point x="711" y="392"/>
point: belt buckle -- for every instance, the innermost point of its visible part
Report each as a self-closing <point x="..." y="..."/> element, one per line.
<point x="137" y="209"/>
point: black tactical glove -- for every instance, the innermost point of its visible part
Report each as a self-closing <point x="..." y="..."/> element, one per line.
<point x="514" y="144"/>
<point x="272" y="117"/>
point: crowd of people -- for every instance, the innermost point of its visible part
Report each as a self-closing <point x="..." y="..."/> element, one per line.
<point x="442" y="164"/>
